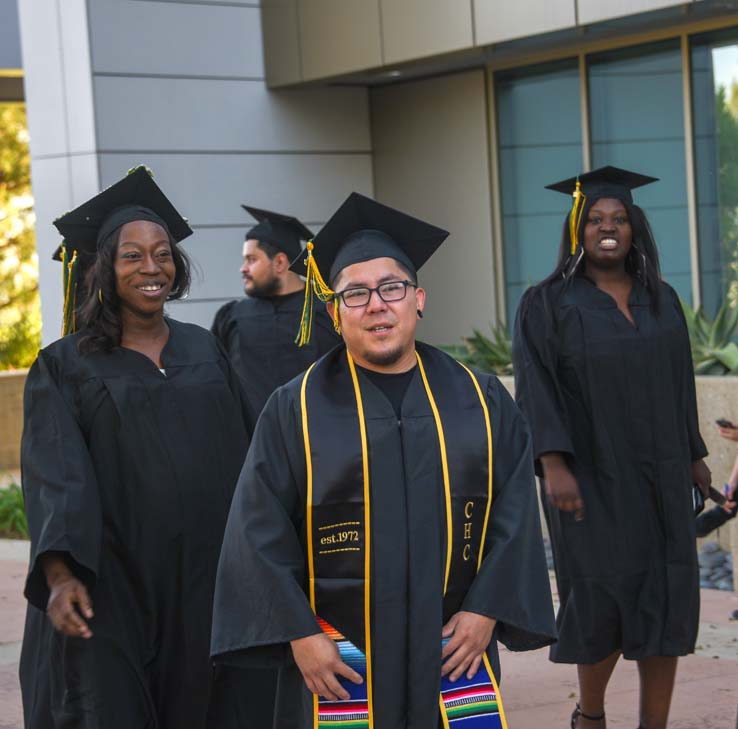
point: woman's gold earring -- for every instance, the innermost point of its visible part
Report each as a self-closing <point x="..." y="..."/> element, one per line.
<point x="99" y="295"/>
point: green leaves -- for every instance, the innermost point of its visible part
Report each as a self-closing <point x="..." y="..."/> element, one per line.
<point x="713" y="351"/>
<point x="489" y="354"/>
<point x="13" y="523"/>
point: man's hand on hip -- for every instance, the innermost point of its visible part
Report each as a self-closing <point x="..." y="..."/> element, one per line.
<point x="320" y="663"/>
<point x="470" y="635"/>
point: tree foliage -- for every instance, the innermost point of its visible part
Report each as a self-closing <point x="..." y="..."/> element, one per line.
<point x="20" y="309"/>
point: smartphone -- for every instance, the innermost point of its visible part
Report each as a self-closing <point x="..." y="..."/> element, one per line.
<point x="723" y="423"/>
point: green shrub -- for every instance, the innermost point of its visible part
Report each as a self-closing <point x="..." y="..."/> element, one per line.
<point x="713" y="350"/>
<point x="13" y="523"/>
<point x="489" y="354"/>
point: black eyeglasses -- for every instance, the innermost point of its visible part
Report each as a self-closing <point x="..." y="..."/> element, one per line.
<point x="389" y="291"/>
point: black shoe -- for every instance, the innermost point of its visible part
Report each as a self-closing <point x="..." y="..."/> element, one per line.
<point x="578" y="712"/>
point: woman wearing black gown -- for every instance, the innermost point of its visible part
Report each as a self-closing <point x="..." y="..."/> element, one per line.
<point x="604" y="377"/>
<point x="134" y="438"/>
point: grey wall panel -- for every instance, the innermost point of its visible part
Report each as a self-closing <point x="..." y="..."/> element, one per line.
<point x="185" y="114"/>
<point x="130" y="36"/>
<point x="209" y="189"/>
<point x="194" y="311"/>
<point x="77" y="76"/>
<point x="10" y="45"/>
<point x="417" y="28"/>
<point x="431" y="160"/>
<point x="57" y="77"/>
<point x="44" y="80"/>
<point x="280" y="28"/>
<point x="216" y="255"/>
<point x="500" y="20"/>
<point x="339" y="36"/>
<point x="592" y="11"/>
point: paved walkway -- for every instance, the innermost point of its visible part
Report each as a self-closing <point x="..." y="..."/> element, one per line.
<point x="537" y="693"/>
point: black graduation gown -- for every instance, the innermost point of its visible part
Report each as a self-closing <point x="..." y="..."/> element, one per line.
<point x="261" y="602"/>
<point x="130" y="473"/>
<point x="259" y="336"/>
<point x="619" y="401"/>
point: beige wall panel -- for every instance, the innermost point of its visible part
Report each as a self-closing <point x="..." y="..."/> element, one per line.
<point x="417" y="28"/>
<point x="592" y="11"/>
<point x="430" y="159"/>
<point x="337" y="36"/>
<point x="280" y="29"/>
<point x="501" y="20"/>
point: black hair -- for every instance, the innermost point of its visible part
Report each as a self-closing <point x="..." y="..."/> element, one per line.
<point x="269" y="248"/>
<point x="99" y="315"/>
<point x="641" y="263"/>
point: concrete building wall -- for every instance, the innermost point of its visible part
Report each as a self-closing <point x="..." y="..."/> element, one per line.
<point x="435" y="131"/>
<point x="180" y="86"/>
<point x="308" y="40"/>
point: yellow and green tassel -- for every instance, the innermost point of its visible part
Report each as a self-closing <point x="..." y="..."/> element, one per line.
<point x="69" y="285"/>
<point x="576" y="216"/>
<point x="314" y="285"/>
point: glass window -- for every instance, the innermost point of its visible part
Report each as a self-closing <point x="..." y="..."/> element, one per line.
<point x="714" y="61"/>
<point x="637" y="122"/>
<point x="540" y="142"/>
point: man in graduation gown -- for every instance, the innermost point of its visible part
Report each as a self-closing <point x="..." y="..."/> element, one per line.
<point x="385" y="529"/>
<point x="258" y="332"/>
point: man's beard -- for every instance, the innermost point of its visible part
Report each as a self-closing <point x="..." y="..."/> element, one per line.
<point x="383" y="359"/>
<point x="264" y="291"/>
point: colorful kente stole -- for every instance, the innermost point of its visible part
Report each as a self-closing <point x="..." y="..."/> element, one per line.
<point x="338" y="516"/>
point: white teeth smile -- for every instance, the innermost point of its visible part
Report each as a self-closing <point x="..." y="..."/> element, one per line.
<point x="608" y="243"/>
<point x="151" y="287"/>
<point x="379" y="329"/>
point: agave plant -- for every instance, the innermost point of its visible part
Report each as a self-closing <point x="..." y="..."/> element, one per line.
<point x="489" y="354"/>
<point x="12" y="515"/>
<point x="713" y="350"/>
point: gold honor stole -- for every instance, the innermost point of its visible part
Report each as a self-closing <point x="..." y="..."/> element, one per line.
<point x="338" y="512"/>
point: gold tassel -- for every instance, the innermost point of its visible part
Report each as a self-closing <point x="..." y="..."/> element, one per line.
<point x="575" y="218"/>
<point x="69" y="271"/>
<point x="314" y="284"/>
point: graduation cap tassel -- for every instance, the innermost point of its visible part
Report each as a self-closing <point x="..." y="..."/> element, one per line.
<point x="69" y="281"/>
<point x="314" y="285"/>
<point x="575" y="218"/>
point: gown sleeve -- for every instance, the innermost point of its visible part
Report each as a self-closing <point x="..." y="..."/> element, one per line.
<point x="59" y="484"/>
<point x="697" y="447"/>
<point x="221" y="322"/>
<point x="236" y="386"/>
<point x="536" y="388"/>
<point x="260" y="600"/>
<point x="512" y="585"/>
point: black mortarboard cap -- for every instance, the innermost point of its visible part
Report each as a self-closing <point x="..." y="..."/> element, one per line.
<point x="135" y="197"/>
<point x="361" y="230"/>
<point x="282" y="231"/>
<point x="605" y="182"/>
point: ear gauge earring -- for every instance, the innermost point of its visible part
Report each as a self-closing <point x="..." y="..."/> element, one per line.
<point x="420" y="313"/>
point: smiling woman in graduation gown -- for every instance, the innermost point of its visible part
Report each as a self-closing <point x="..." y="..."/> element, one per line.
<point x="295" y="518"/>
<point x="128" y="472"/>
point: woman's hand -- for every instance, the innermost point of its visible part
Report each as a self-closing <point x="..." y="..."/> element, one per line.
<point x="561" y="486"/>
<point x="728" y="433"/>
<point x="702" y="477"/>
<point x="66" y="593"/>
<point x="470" y="634"/>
